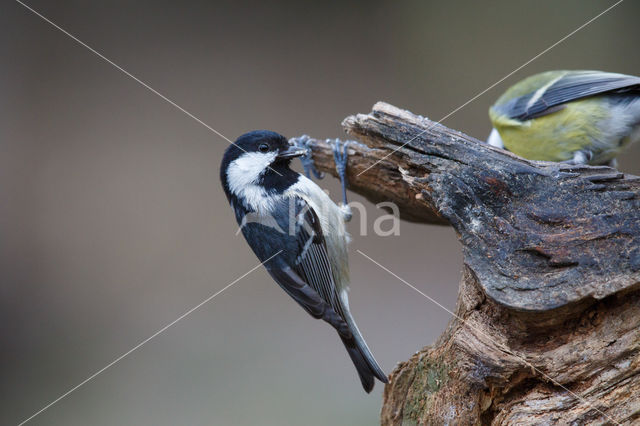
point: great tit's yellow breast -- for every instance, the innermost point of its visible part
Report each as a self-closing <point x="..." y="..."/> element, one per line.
<point x="555" y="136"/>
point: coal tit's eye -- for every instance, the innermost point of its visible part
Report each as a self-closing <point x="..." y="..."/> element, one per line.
<point x="263" y="147"/>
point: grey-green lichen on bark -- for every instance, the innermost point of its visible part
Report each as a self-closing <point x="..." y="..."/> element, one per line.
<point x="430" y="376"/>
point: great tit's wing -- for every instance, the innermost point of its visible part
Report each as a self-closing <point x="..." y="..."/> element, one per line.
<point x="569" y="87"/>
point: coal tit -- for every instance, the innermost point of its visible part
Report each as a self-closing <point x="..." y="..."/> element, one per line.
<point x="280" y="210"/>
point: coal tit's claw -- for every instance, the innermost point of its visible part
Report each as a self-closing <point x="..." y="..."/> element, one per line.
<point x="346" y="212"/>
<point x="340" y="156"/>
<point x="304" y="142"/>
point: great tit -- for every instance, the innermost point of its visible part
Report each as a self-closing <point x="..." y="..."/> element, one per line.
<point x="285" y="214"/>
<point x="568" y="116"/>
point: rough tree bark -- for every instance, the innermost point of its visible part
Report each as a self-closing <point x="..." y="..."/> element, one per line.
<point x="547" y="323"/>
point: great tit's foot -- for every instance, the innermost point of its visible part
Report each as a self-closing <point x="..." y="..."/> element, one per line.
<point x="304" y="142"/>
<point x="613" y="163"/>
<point x="581" y="157"/>
<point x="494" y="139"/>
<point x="340" y="156"/>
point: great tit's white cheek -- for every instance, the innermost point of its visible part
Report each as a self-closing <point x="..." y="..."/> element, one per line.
<point x="635" y="135"/>
<point x="622" y="125"/>
<point x="634" y="117"/>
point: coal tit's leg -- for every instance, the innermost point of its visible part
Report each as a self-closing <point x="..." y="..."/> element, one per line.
<point x="304" y="142"/>
<point x="340" y="156"/>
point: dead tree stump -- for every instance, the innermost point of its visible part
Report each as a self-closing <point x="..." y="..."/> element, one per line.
<point x="547" y="323"/>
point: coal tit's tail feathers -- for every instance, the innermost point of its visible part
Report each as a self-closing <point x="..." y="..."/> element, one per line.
<point x="360" y="354"/>
<point x="365" y="364"/>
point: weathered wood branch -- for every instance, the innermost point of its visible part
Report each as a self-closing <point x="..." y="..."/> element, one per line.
<point x="547" y="327"/>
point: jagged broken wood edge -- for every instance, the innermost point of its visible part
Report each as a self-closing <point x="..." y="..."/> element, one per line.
<point x="538" y="236"/>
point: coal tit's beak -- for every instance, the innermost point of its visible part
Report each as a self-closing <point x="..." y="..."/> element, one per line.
<point x="291" y="152"/>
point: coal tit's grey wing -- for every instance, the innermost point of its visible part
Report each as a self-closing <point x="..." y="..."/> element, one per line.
<point x="570" y="87"/>
<point x="308" y="298"/>
<point x="303" y="270"/>
<point x="314" y="267"/>
<point x="312" y="260"/>
<point x="302" y="266"/>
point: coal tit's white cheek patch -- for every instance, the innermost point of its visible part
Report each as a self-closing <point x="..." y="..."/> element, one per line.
<point x="243" y="174"/>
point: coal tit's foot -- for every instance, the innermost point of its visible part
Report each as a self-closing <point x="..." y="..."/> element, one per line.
<point x="304" y="142"/>
<point x="340" y="156"/>
<point x="346" y="212"/>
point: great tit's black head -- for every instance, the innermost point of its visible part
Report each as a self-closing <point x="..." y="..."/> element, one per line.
<point x="258" y="158"/>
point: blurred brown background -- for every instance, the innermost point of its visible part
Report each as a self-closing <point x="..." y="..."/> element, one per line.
<point x="113" y="223"/>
